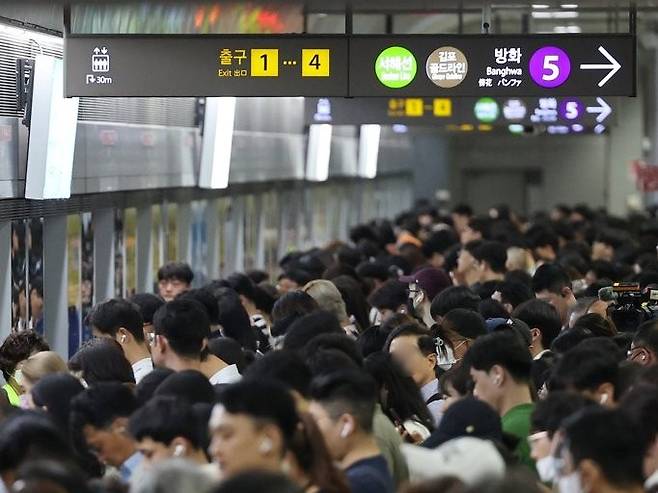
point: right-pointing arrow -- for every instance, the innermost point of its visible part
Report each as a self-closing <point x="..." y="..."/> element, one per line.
<point x="603" y="109"/>
<point x="613" y="66"/>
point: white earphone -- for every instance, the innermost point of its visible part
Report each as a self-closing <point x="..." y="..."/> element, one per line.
<point x="123" y="339"/>
<point x="179" y="450"/>
<point x="265" y="446"/>
<point x="345" y="431"/>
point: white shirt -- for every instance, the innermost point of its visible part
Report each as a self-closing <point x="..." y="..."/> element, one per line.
<point x="435" y="407"/>
<point x="651" y="481"/>
<point x="142" y="368"/>
<point x="230" y="374"/>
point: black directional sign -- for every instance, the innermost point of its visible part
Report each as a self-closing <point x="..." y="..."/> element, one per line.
<point x="575" y="113"/>
<point x="555" y="65"/>
<point x="159" y="65"/>
<point x="350" y="66"/>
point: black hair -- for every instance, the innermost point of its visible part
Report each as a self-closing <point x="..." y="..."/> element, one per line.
<point x="264" y="298"/>
<point x="111" y="315"/>
<point x="100" y="405"/>
<point x="454" y="297"/>
<point x="584" y="369"/>
<point x="490" y="308"/>
<point x="371" y="340"/>
<point x="263" y="400"/>
<point x="326" y="361"/>
<point x="481" y="225"/>
<point x="148" y="385"/>
<point x="459" y="377"/>
<point x="552" y="278"/>
<point x="439" y="242"/>
<point x="233" y="318"/>
<point x="54" y="392"/>
<point x="355" y="301"/>
<point x="519" y="276"/>
<point x="165" y="418"/>
<point x="389" y="295"/>
<point x="647" y="336"/>
<point x="539" y="314"/>
<point x="50" y="475"/>
<point x="284" y="366"/>
<point x="206" y="299"/>
<point x="541" y="237"/>
<point x="493" y="253"/>
<point x="606" y="345"/>
<point x="242" y="285"/>
<point x="514" y="293"/>
<point x="610" y="237"/>
<point x="229" y="351"/>
<point x="102" y="360"/>
<point x="403" y="400"/>
<point x="19" y="346"/>
<point x="594" y="433"/>
<point x="298" y="276"/>
<point x="349" y="391"/>
<point x="305" y="328"/>
<point x="376" y="270"/>
<point x="257" y="276"/>
<point x="463" y="210"/>
<point x="254" y="481"/>
<point x="288" y="308"/>
<point x="36" y="284"/>
<point x="640" y="404"/>
<point x="340" y="341"/>
<point x="501" y="348"/>
<point x="426" y="342"/>
<point x="596" y="324"/>
<point x="550" y="413"/>
<point x="185" y="324"/>
<point x="189" y="385"/>
<point x="30" y="436"/>
<point x="570" y="338"/>
<point x="179" y="271"/>
<point x="465" y="322"/>
<point x="148" y="304"/>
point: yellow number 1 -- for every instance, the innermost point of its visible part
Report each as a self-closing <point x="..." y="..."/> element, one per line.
<point x="264" y="62"/>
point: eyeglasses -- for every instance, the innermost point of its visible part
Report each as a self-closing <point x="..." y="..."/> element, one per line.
<point x="633" y="352"/>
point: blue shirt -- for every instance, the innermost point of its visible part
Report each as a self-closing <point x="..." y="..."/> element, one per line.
<point x="370" y="475"/>
<point x="128" y="467"/>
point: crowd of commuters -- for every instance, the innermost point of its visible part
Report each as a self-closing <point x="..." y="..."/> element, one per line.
<point x="441" y="352"/>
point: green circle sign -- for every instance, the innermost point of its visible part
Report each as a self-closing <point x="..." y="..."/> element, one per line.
<point x="487" y="110"/>
<point x="395" y="67"/>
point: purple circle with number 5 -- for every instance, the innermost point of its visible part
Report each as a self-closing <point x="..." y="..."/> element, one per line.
<point x="571" y="109"/>
<point x="550" y="67"/>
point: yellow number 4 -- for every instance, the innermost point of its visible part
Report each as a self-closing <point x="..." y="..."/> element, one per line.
<point x="264" y="62"/>
<point x="315" y="63"/>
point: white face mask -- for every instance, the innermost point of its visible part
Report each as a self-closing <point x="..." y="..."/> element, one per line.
<point x="570" y="483"/>
<point x="546" y="469"/>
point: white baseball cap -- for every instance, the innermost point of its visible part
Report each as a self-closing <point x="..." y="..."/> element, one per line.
<point x="469" y="459"/>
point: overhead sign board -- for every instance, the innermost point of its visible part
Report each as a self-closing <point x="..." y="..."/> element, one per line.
<point x="493" y="65"/>
<point x="568" y="111"/>
<point x="350" y="66"/>
<point x="158" y="65"/>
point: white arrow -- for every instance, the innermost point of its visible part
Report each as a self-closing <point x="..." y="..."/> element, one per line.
<point x="613" y="66"/>
<point x="104" y="50"/>
<point x="604" y="110"/>
<point x="96" y="50"/>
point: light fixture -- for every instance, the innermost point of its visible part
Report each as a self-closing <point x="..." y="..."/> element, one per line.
<point x="398" y="128"/>
<point x="369" y="150"/>
<point x="569" y="6"/>
<point x="567" y="29"/>
<point x="540" y="6"/>
<point x="217" y="142"/>
<point x="319" y="152"/>
<point x="30" y="35"/>
<point x="569" y="14"/>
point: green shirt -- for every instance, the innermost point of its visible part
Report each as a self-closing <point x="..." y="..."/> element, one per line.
<point x="517" y="422"/>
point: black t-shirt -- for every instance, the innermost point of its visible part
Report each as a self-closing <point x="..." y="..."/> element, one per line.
<point x="370" y="475"/>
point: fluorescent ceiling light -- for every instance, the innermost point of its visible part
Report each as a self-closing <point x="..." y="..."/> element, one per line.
<point x="555" y="15"/>
<point x="540" y="6"/>
<point x="319" y="152"/>
<point x="569" y="5"/>
<point x="567" y="29"/>
<point x="369" y="150"/>
<point x="217" y="143"/>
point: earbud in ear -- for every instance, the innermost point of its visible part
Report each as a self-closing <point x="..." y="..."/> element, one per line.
<point x="603" y="399"/>
<point x="123" y="339"/>
<point x="345" y="431"/>
<point x="265" y="446"/>
<point x="179" y="450"/>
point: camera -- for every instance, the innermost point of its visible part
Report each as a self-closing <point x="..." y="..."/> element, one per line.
<point x="631" y="305"/>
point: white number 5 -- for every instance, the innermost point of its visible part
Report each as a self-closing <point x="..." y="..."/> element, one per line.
<point x="549" y="64"/>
